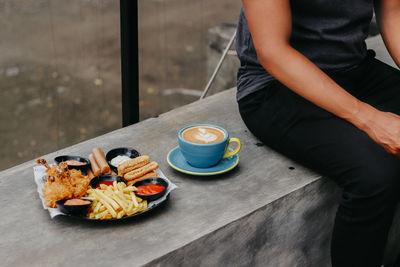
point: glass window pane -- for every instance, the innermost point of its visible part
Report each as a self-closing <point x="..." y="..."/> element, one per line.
<point x="175" y="49"/>
<point x="60" y="75"/>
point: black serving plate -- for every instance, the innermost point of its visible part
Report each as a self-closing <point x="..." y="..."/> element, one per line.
<point x="105" y="178"/>
<point x="94" y="182"/>
<point x="79" y="210"/>
<point x="82" y="168"/>
<point x="121" y="151"/>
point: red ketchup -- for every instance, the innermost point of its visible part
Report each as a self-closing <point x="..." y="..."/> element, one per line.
<point x="149" y="189"/>
<point x="108" y="183"/>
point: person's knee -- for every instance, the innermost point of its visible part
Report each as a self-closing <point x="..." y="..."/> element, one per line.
<point x="380" y="180"/>
<point x="374" y="191"/>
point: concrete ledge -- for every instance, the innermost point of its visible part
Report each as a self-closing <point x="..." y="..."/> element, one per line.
<point x="198" y="208"/>
<point x="261" y="213"/>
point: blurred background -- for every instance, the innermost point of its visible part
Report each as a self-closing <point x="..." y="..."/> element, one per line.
<point x="60" y="66"/>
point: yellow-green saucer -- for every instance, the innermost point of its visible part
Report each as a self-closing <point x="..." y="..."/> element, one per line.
<point x="176" y="160"/>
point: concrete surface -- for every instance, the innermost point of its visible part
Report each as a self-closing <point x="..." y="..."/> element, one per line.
<point x="198" y="208"/>
<point x="262" y="213"/>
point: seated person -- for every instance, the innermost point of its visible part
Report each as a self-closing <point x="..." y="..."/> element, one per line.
<point x="309" y="88"/>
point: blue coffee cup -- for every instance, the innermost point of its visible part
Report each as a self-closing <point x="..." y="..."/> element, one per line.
<point x="207" y="155"/>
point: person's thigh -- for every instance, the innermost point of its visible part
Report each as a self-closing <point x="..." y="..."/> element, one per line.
<point x="316" y="138"/>
<point x="378" y="84"/>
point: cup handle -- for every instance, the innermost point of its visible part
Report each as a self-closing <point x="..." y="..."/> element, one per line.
<point x="228" y="153"/>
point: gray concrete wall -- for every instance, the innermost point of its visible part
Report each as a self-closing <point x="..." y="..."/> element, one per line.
<point x="292" y="231"/>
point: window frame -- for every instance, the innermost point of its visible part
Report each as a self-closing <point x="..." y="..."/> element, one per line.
<point x="129" y="62"/>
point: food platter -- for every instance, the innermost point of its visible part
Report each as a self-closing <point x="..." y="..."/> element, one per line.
<point x="109" y="196"/>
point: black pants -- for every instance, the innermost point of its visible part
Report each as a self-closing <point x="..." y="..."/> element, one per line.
<point x="369" y="176"/>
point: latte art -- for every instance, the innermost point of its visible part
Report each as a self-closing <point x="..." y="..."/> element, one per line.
<point x="203" y="135"/>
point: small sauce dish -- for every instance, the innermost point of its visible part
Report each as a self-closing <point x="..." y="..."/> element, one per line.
<point x="105" y="179"/>
<point x="82" y="164"/>
<point x="121" y="151"/>
<point x="75" y="208"/>
<point x="151" y="181"/>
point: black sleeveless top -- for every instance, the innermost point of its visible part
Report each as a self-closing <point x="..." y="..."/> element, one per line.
<point x="331" y="33"/>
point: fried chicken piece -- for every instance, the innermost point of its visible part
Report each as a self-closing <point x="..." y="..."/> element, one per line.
<point x="43" y="162"/>
<point x="63" y="183"/>
<point x="57" y="186"/>
<point x="80" y="183"/>
<point x="55" y="191"/>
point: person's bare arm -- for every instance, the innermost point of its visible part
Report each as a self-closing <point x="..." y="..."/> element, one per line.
<point x="270" y="26"/>
<point x="388" y="18"/>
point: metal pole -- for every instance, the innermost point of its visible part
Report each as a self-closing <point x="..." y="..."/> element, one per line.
<point x="129" y="62"/>
<point x="203" y="95"/>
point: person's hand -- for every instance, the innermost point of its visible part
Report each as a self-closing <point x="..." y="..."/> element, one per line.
<point x="382" y="127"/>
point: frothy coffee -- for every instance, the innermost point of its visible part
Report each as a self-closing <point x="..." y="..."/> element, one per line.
<point x="203" y="135"/>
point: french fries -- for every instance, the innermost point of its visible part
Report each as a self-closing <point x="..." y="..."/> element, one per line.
<point x="114" y="201"/>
